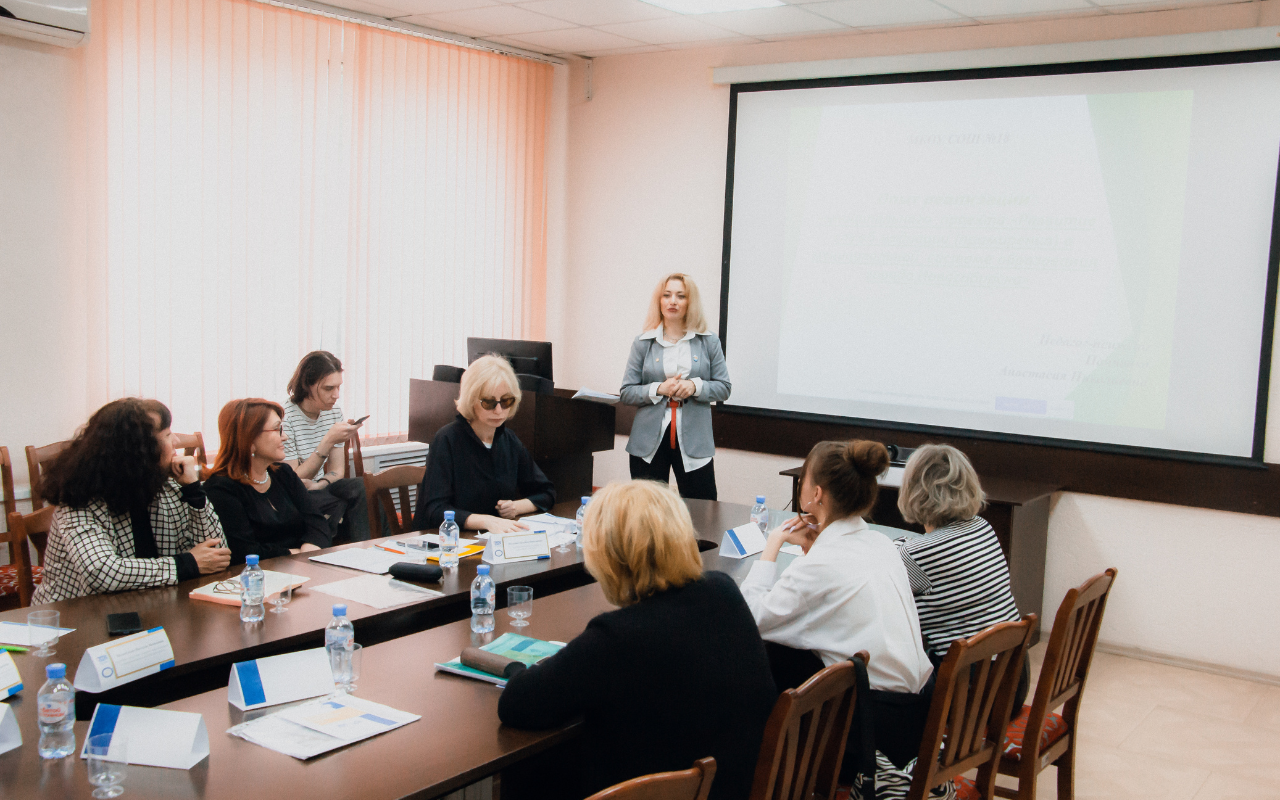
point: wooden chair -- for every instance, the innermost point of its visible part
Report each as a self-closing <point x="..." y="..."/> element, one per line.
<point x="377" y="490"/>
<point x="21" y="527"/>
<point x="1062" y="679"/>
<point x="16" y="578"/>
<point x="357" y="457"/>
<point x="804" y="739"/>
<point x="37" y="457"/>
<point x="688" y="784"/>
<point x="192" y="444"/>
<point x="972" y="697"/>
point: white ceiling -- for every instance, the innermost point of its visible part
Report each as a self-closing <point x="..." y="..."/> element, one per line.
<point x="614" y="27"/>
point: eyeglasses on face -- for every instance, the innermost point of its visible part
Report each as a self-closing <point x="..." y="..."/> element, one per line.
<point x="277" y="429"/>
<point x="489" y="403"/>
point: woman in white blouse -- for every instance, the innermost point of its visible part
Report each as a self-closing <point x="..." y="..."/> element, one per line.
<point x="675" y="372"/>
<point x="849" y="592"/>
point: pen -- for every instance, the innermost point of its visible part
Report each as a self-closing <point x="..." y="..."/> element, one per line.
<point x="542" y="558"/>
<point x="13" y="648"/>
<point x="390" y="549"/>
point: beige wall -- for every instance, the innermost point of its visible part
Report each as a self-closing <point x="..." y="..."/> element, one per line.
<point x="43" y="300"/>
<point x="646" y="173"/>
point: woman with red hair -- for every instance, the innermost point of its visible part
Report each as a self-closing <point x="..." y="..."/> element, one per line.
<point x="263" y="505"/>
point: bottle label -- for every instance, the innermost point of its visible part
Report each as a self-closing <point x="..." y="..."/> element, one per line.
<point x="51" y="712"/>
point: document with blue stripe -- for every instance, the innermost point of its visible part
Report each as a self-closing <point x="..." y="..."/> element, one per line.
<point x="309" y="729"/>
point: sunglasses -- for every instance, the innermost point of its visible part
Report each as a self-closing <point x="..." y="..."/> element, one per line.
<point x="489" y="404"/>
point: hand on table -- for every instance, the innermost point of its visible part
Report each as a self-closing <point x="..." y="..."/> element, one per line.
<point x="500" y="525"/>
<point x="510" y="509"/>
<point x="211" y="556"/>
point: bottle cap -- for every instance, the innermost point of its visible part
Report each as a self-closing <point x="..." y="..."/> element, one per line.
<point x="55" y="671"/>
<point x="448" y="515"/>
<point x="586" y="500"/>
<point x="483" y="569"/>
<point x="251" y="560"/>
<point x="339" y="609"/>
<point x="760" y="499"/>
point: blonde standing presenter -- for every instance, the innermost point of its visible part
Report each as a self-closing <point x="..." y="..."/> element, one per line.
<point x="675" y="372"/>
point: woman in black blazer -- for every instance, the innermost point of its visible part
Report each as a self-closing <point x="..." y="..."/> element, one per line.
<point x="264" y="507"/>
<point x="678" y="673"/>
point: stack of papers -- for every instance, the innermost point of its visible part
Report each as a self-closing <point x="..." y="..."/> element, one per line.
<point x="378" y="591"/>
<point x="509" y="645"/>
<point x="368" y="559"/>
<point x="596" y="397"/>
<point x="319" y="726"/>
<point x="559" y="530"/>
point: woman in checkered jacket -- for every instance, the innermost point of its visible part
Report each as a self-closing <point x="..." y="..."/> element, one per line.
<point x="131" y="514"/>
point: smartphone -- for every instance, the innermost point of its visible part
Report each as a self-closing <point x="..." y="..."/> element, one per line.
<point x="123" y="624"/>
<point x="362" y="419"/>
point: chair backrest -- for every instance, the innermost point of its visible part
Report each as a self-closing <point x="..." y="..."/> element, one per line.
<point x="355" y="454"/>
<point x="20" y="528"/>
<point x="1070" y="651"/>
<point x="972" y="696"/>
<point x="804" y="739"/>
<point x="377" y="490"/>
<point x="6" y="483"/>
<point x="192" y="444"/>
<point x="444" y="372"/>
<point x="687" y="784"/>
<point x="37" y="457"/>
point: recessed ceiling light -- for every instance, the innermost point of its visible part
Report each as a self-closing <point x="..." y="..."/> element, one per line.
<point x="712" y="6"/>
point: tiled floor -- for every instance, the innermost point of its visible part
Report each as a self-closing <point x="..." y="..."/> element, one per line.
<point x="1153" y="731"/>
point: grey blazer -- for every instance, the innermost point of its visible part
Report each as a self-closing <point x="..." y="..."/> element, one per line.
<point x="644" y="367"/>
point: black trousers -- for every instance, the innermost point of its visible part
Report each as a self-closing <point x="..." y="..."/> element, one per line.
<point x="344" y="503"/>
<point x="697" y="485"/>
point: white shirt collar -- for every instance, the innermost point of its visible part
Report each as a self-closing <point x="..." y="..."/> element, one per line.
<point x="656" y="334"/>
<point x="848" y="526"/>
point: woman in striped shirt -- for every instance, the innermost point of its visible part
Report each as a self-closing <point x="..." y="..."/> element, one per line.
<point x="958" y="572"/>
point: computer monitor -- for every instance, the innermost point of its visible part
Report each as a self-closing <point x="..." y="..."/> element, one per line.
<point x="527" y="358"/>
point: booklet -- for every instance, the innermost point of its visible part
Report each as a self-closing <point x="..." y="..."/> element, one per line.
<point x="227" y="592"/>
<point x="509" y="645"/>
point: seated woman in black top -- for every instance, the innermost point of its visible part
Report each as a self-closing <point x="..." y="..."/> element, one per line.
<point x="264" y="507"/>
<point x="677" y="674"/>
<point x="477" y="468"/>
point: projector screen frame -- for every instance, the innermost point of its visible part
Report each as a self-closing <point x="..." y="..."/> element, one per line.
<point x="1255" y="459"/>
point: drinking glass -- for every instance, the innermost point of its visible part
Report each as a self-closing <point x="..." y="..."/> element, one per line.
<point x="519" y="604"/>
<point x="279" y="601"/>
<point x="104" y="774"/>
<point x="42" y="630"/>
<point x="345" y="665"/>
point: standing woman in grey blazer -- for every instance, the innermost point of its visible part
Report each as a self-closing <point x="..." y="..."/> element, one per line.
<point x="675" y="371"/>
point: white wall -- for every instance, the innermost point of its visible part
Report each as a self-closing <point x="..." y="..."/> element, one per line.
<point x="646" y="178"/>
<point x="43" y="299"/>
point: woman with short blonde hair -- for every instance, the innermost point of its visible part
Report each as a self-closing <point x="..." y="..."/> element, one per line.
<point x="959" y="573"/>
<point x="479" y="469"/>
<point x="676" y="370"/>
<point x="676" y="674"/>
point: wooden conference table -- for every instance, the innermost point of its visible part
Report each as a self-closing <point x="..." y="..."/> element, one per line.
<point x="458" y="740"/>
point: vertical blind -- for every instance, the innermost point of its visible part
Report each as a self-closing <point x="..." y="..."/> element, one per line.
<point x="272" y="182"/>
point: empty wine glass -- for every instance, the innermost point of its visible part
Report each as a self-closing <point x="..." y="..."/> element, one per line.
<point x="107" y="754"/>
<point x="42" y="632"/>
<point x="519" y="604"/>
<point x="282" y="598"/>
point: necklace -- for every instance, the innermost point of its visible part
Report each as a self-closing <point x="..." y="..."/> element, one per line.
<point x="262" y="482"/>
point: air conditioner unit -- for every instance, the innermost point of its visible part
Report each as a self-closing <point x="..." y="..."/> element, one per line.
<point x="60" y="22"/>
<point x="384" y="456"/>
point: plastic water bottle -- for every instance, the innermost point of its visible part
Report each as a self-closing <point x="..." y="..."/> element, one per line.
<point x="760" y="515"/>
<point x="253" y="584"/>
<point x="448" y="541"/>
<point x="482" y="600"/>
<point x="582" y="513"/>
<point x="56" y="713"/>
<point x="339" y="632"/>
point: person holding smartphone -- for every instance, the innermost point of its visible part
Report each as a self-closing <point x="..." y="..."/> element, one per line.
<point x="131" y="514"/>
<point x="314" y="445"/>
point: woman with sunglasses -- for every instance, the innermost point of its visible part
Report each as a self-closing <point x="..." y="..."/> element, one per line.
<point x="477" y="468"/>
<point x="264" y="507"/>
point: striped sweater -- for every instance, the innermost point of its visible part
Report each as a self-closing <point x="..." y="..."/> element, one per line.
<point x="961" y="582"/>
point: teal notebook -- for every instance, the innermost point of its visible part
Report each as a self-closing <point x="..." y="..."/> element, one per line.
<point x="510" y="645"/>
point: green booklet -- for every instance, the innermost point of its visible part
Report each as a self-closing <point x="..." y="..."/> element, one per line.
<point x="509" y="645"/>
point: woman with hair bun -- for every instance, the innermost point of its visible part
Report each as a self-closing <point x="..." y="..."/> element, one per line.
<point x="850" y="591"/>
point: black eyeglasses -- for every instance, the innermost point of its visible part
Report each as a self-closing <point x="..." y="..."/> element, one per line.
<point x="489" y="404"/>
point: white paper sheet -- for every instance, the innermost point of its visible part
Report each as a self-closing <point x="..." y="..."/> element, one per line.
<point x="316" y="727"/>
<point x="596" y="397"/>
<point x="368" y="559"/>
<point x="434" y="538"/>
<point x="10" y="680"/>
<point x="16" y="633"/>
<point x="377" y="591"/>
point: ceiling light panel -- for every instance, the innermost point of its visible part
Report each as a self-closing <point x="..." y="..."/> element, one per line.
<point x="712" y="6"/>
